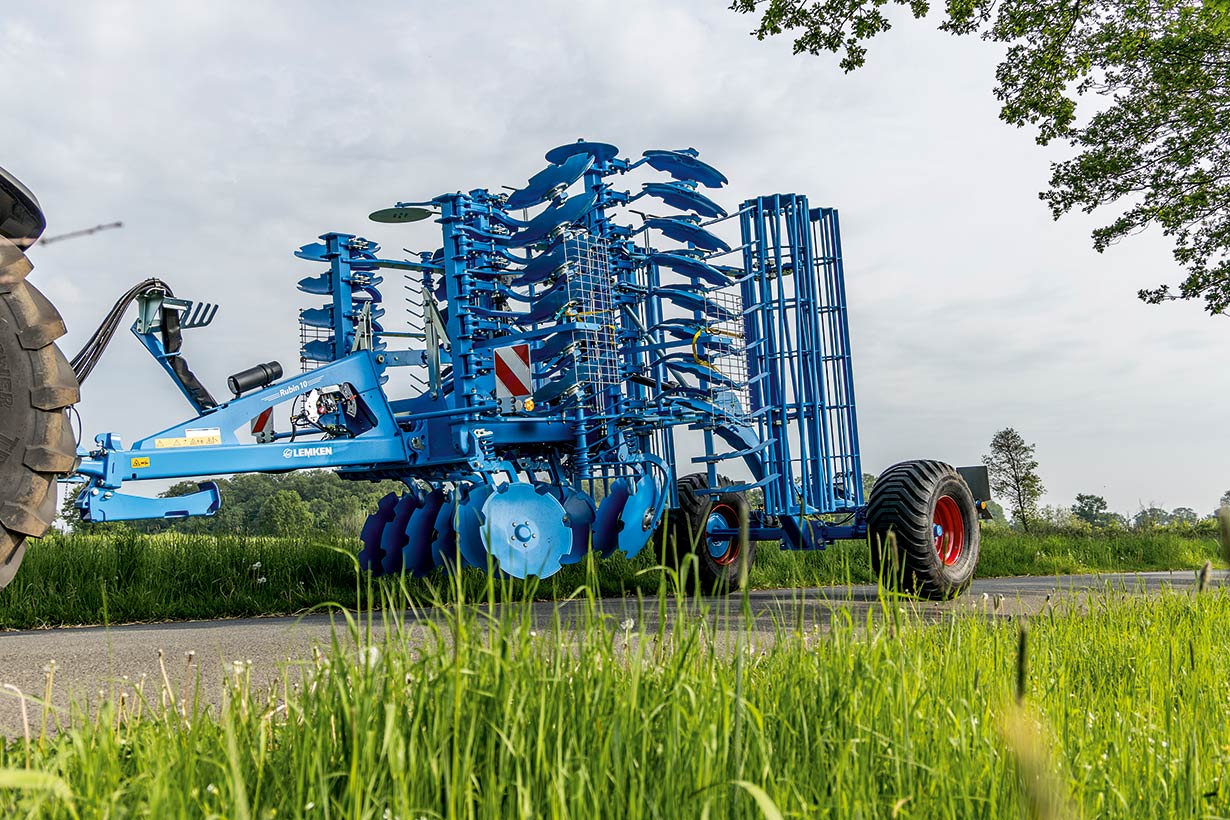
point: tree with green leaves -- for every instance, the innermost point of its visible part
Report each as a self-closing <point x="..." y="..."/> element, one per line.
<point x="1014" y="475"/>
<point x="1151" y="77"/>
<point x="997" y="512"/>
<point x="338" y="507"/>
<point x="1150" y="517"/>
<point x="1183" y="515"/>
<point x="285" y="514"/>
<point x="1092" y="509"/>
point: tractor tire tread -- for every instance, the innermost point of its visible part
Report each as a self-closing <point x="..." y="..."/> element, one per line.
<point x="14" y="265"/>
<point x="36" y="385"/>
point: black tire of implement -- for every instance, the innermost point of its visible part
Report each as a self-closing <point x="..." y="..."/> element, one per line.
<point x="903" y="502"/>
<point x="36" y="385"/>
<point x="685" y="535"/>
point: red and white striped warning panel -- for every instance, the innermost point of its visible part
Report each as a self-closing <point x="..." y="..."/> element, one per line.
<point x="512" y="371"/>
<point x="262" y="425"/>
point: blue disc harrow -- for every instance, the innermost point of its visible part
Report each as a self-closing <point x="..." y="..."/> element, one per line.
<point x="538" y="371"/>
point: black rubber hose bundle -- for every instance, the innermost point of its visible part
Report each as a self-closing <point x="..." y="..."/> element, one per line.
<point x="91" y="352"/>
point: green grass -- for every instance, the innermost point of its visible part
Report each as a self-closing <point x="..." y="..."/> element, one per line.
<point x="123" y="577"/>
<point x="1005" y="552"/>
<point x="1123" y="716"/>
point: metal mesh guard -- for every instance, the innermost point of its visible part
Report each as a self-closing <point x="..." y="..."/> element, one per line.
<point x="589" y="283"/>
<point x="729" y="399"/>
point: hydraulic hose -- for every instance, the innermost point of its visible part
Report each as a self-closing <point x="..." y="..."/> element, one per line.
<point x="85" y="360"/>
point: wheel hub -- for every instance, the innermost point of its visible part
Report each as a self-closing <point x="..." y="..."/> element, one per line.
<point x="724" y="549"/>
<point x="949" y="528"/>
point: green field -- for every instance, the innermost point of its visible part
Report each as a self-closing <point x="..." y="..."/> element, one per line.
<point x="122" y="577"/>
<point x="1123" y="716"/>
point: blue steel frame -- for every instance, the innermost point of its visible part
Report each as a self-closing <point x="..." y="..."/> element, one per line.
<point x="798" y="435"/>
<point x="167" y="455"/>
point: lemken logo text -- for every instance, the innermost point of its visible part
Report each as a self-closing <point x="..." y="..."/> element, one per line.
<point x="306" y="452"/>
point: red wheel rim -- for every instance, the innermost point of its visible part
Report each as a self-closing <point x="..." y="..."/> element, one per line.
<point x="949" y="526"/>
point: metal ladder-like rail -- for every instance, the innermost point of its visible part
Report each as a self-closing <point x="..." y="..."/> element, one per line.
<point x="800" y="378"/>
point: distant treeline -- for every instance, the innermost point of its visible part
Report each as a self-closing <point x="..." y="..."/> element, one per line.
<point x="317" y="502"/>
<point x="304" y="503"/>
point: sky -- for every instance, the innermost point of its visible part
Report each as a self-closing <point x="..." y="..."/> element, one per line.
<point x="225" y="135"/>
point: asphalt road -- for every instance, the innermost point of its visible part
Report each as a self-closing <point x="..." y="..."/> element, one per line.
<point x="90" y="662"/>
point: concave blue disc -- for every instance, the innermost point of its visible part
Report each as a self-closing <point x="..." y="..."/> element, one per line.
<point x="524" y="529"/>
<point x="581" y="512"/>
<point x="373" y="529"/>
<point x="547" y="305"/>
<point x="548" y="367"/>
<point x="690" y="300"/>
<point x="444" y="552"/>
<point x="542" y="265"/>
<point x="551" y="346"/>
<point x="316" y="317"/>
<point x="679" y="328"/>
<point x="417" y="555"/>
<point x="548" y="179"/>
<point x="607" y="520"/>
<point x="694" y="268"/>
<point x="556" y="387"/>
<point x="678" y="195"/>
<point x="685" y="166"/>
<point x="321" y="285"/>
<point x="567" y="212"/>
<point x="683" y="231"/>
<point x="320" y="350"/>
<point x="393" y="539"/>
<point x="636" y="524"/>
<point x="602" y="152"/>
<point x="468" y="524"/>
<point x="700" y="370"/>
<point x="316" y="251"/>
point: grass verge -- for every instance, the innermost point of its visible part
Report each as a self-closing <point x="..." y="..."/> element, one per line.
<point x="127" y="577"/>
<point x="1117" y="713"/>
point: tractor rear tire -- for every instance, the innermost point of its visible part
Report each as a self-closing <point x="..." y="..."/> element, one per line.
<point x="721" y="565"/>
<point x="928" y="510"/>
<point x="36" y="385"/>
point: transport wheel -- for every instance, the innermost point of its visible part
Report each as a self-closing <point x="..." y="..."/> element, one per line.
<point x="36" y="384"/>
<point x="929" y="509"/>
<point x="722" y="562"/>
